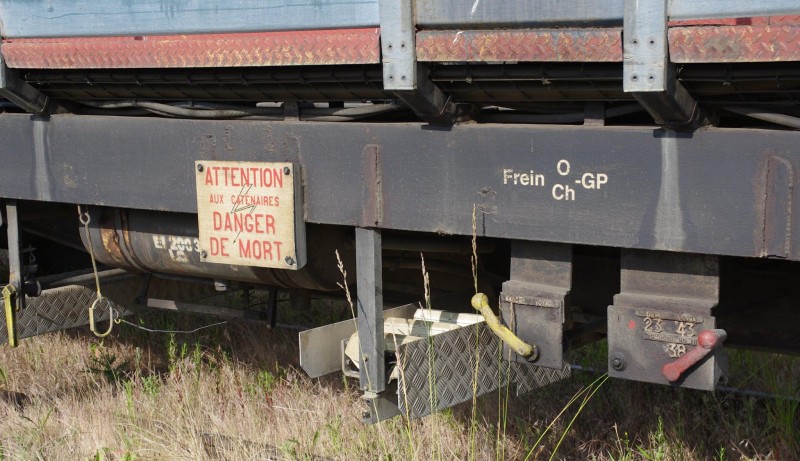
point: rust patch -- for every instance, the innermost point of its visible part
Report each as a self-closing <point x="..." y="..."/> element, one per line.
<point x="373" y="186"/>
<point x="550" y="45"/>
<point x="286" y="48"/>
<point x="750" y="43"/>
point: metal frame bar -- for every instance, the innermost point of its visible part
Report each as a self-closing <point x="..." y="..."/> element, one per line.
<point x="13" y="88"/>
<point x="715" y="191"/>
<point x="647" y="71"/>
<point x="402" y="74"/>
<point x="227" y="312"/>
<point x="15" y="275"/>
<point x="370" y="311"/>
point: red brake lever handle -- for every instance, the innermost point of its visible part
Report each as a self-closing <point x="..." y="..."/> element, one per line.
<point x="707" y="341"/>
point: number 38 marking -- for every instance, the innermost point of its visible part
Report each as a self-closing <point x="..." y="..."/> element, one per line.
<point x="675" y="350"/>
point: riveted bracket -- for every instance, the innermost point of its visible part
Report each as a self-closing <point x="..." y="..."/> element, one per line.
<point x="535" y="302"/>
<point x="402" y="74"/>
<point x="647" y="71"/>
<point x="661" y="313"/>
<point x="13" y="88"/>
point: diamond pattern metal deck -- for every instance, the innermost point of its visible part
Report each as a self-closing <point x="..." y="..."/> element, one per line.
<point x="286" y="48"/>
<point x="741" y="43"/>
<point x="440" y="372"/>
<point x="546" y="45"/>
<point x="67" y="307"/>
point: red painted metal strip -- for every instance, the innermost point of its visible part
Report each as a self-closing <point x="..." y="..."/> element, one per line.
<point x="734" y="44"/>
<point x="755" y="21"/>
<point x="290" y="48"/>
<point x="550" y="45"/>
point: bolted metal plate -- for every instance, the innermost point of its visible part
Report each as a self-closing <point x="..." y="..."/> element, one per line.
<point x="641" y="340"/>
<point x="440" y="372"/>
<point x="748" y="43"/>
<point x="548" y="45"/>
<point x="283" y="48"/>
<point x="66" y="307"/>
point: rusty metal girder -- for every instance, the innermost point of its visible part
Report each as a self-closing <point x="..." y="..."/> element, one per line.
<point x="290" y="48"/>
<point x="767" y="43"/>
<point x="551" y="45"/>
<point x="739" y="40"/>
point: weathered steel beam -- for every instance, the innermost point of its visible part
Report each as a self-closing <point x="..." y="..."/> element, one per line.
<point x="717" y="191"/>
<point x="369" y="279"/>
<point x="13" y="88"/>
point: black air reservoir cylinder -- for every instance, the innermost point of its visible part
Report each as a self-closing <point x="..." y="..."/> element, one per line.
<point x="162" y="242"/>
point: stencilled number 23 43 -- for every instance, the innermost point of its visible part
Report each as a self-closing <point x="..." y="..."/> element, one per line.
<point x="653" y="325"/>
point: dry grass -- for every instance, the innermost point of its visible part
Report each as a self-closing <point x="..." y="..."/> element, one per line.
<point x="235" y="392"/>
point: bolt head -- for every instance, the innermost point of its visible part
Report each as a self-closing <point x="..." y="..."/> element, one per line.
<point x="289" y="260"/>
<point x="618" y="363"/>
<point x="287" y="170"/>
<point x="203" y="254"/>
<point x="200" y="167"/>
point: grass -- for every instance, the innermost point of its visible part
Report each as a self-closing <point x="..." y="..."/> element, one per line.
<point x="235" y="392"/>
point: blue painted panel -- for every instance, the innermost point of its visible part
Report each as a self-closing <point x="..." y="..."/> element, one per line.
<point x="69" y="18"/>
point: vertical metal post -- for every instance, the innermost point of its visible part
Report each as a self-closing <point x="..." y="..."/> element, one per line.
<point x="647" y="72"/>
<point x="370" y="309"/>
<point x="645" y="47"/>
<point x="14" y="262"/>
<point x="402" y="74"/>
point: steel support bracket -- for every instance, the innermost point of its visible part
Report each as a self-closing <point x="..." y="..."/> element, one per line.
<point x="535" y="302"/>
<point x="402" y="74"/>
<point x="665" y="302"/>
<point x="13" y="295"/>
<point x="13" y="88"/>
<point x="647" y="71"/>
<point x="369" y="273"/>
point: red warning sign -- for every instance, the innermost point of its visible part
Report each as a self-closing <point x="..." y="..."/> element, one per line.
<point x="246" y="214"/>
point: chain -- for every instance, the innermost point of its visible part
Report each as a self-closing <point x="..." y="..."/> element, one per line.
<point x="112" y="317"/>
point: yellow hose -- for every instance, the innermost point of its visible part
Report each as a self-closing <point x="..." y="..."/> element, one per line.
<point x="9" y="293"/>
<point x="481" y="302"/>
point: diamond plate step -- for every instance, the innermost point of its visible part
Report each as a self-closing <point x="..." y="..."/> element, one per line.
<point x="68" y="306"/>
<point x="446" y="364"/>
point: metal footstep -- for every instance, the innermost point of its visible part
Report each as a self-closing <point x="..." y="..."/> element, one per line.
<point x="65" y="303"/>
<point x="435" y="360"/>
<point x="66" y="306"/>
